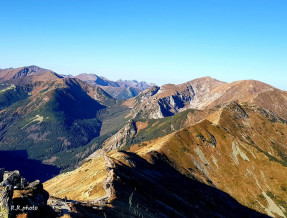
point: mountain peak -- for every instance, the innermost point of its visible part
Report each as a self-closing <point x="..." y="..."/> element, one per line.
<point x="28" y="73"/>
<point x="206" y="79"/>
<point x="87" y="77"/>
<point x="252" y="83"/>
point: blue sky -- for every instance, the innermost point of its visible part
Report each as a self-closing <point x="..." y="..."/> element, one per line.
<point x="156" y="41"/>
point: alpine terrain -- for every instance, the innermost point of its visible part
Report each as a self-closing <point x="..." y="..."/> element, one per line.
<point x="104" y="148"/>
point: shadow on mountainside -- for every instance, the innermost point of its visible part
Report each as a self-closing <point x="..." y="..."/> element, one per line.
<point x="158" y="190"/>
<point x="30" y="169"/>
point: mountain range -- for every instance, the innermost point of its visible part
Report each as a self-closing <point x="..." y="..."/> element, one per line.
<point x="204" y="148"/>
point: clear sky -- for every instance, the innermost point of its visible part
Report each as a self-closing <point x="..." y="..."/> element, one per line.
<point x="157" y="41"/>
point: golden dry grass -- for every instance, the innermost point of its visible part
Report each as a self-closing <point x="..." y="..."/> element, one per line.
<point x="82" y="184"/>
<point x="234" y="166"/>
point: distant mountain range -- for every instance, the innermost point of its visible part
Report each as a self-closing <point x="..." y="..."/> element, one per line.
<point x="204" y="148"/>
<point x="120" y="89"/>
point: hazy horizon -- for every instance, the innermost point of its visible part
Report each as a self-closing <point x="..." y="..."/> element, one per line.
<point x="158" y="42"/>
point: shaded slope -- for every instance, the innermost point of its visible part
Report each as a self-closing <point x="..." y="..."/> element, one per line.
<point x="48" y="118"/>
<point x="157" y="189"/>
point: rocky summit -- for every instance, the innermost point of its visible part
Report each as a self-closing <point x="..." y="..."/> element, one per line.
<point x="103" y="148"/>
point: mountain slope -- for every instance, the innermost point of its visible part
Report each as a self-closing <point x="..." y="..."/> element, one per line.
<point x="245" y="151"/>
<point x="96" y="80"/>
<point x="132" y="187"/>
<point x="159" y="102"/>
<point x="139" y="130"/>
<point x="241" y="150"/>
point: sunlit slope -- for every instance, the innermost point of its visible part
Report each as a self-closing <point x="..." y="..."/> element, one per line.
<point x="82" y="184"/>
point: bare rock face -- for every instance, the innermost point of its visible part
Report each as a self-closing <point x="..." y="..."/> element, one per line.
<point x="159" y="102"/>
<point x="173" y="104"/>
<point x="6" y="194"/>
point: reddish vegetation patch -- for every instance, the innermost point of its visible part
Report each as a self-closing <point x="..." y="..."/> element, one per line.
<point x="65" y="141"/>
<point x="155" y="123"/>
<point x="38" y="136"/>
<point x="51" y="160"/>
<point x="141" y="125"/>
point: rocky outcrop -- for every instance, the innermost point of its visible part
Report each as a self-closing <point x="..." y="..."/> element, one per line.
<point x="239" y="112"/>
<point x="173" y="104"/>
<point x="120" y="138"/>
<point x="18" y="196"/>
